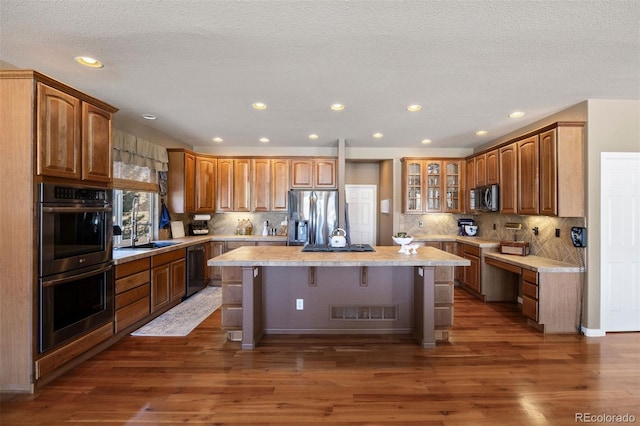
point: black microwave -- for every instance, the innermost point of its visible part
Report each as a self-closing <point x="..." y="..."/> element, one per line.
<point x="485" y="198"/>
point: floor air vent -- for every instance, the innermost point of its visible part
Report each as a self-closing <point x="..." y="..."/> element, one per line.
<point x="366" y="313"/>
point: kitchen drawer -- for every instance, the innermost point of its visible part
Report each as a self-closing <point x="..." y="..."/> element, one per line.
<point x="132" y="313"/>
<point x="235" y="244"/>
<point x="130" y="268"/>
<point x="530" y="308"/>
<point x="530" y="276"/>
<point x="128" y="297"/>
<point x="231" y="294"/>
<point x="473" y="250"/>
<point x="530" y="290"/>
<point x="231" y="274"/>
<point x="161" y="259"/>
<point x="232" y="316"/>
<point x="443" y="316"/>
<point x="132" y="281"/>
<point x="444" y="273"/>
<point x="443" y="293"/>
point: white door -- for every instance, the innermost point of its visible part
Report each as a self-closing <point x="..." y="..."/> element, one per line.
<point x="620" y="243"/>
<point x="362" y="213"/>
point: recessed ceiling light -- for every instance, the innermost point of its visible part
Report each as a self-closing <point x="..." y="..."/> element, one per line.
<point x="482" y="133"/>
<point x="218" y="139"/>
<point x="264" y="140"/>
<point x="516" y="114"/>
<point x="337" y="107"/>
<point x="414" y="108"/>
<point x="88" y="61"/>
<point x="259" y="105"/>
<point x="149" y="117"/>
<point x="377" y="135"/>
<point x="313" y="136"/>
<point x="426" y="141"/>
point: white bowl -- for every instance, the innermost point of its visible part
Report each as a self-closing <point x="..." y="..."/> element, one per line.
<point x="402" y="240"/>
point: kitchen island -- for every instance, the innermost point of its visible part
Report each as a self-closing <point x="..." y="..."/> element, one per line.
<point x="286" y="291"/>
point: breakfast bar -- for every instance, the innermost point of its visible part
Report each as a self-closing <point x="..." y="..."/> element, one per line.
<point x="288" y="291"/>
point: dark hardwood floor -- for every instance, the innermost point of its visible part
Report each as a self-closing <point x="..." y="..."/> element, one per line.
<point x="494" y="370"/>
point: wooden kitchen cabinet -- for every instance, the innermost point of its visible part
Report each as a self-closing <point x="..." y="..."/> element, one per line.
<point x="133" y="293"/>
<point x="234" y="185"/>
<point x="270" y="184"/>
<point x="481" y="169"/>
<point x="168" y="278"/>
<point x="432" y="185"/>
<point x="313" y="173"/>
<point x="508" y="179"/>
<point x="528" y="187"/>
<point x="493" y="171"/>
<point x="216" y="248"/>
<point x="181" y="181"/>
<point x="530" y="294"/>
<point x="472" y="272"/>
<point x="205" y="184"/>
<point x="562" y="171"/>
<point x="470" y="173"/>
<point x="73" y="137"/>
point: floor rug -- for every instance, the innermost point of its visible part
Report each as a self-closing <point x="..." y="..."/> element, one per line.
<point x="182" y="319"/>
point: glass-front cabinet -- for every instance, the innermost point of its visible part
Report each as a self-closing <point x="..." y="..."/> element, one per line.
<point x="432" y="185"/>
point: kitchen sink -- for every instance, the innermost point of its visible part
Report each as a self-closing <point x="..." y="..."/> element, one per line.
<point x="147" y="246"/>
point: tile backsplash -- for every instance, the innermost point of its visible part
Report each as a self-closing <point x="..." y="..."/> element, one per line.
<point x="545" y="244"/>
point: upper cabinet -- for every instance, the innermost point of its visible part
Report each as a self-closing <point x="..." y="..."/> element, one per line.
<point x="181" y="181"/>
<point x="481" y="170"/>
<point x="73" y="137"/>
<point x="509" y="179"/>
<point x="242" y="185"/>
<point x="493" y="173"/>
<point x="313" y="173"/>
<point x="527" y="154"/>
<point x="270" y="184"/>
<point x="205" y="184"/>
<point x="432" y="185"/>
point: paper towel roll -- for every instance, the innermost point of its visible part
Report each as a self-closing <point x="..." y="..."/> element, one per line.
<point x="201" y="217"/>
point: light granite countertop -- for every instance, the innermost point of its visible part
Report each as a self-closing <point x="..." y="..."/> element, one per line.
<point x="535" y="263"/>
<point x="293" y="256"/>
<point x="474" y="241"/>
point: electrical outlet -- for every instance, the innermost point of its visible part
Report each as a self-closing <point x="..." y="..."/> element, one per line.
<point x="421" y="224"/>
<point x="558" y="232"/>
<point x="299" y="304"/>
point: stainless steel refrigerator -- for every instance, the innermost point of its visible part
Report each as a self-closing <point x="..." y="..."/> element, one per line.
<point x="313" y="215"/>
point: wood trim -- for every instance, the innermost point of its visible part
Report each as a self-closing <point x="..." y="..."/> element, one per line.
<point x="503" y="265"/>
<point x="57" y="358"/>
<point x="132" y="185"/>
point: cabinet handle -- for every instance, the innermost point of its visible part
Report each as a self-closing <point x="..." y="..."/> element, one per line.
<point x="363" y="276"/>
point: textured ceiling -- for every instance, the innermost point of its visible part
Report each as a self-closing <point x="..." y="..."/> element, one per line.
<point x="198" y="65"/>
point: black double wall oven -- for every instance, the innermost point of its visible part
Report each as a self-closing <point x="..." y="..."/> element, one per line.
<point x="75" y="262"/>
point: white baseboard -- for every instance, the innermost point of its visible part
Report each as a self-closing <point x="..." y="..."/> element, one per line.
<point x="593" y="332"/>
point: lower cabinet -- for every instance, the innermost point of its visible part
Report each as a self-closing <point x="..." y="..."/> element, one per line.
<point x="530" y="294"/>
<point x="443" y="298"/>
<point x="471" y="273"/>
<point x="168" y="278"/>
<point x="132" y="288"/>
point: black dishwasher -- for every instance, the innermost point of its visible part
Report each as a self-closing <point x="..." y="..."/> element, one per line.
<point x="195" y="269"/>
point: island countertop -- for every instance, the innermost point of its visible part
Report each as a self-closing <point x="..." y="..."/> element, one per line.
<point x="293" y="256"/>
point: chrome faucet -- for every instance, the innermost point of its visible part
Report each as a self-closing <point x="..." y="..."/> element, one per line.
<point x="135" y="207"/>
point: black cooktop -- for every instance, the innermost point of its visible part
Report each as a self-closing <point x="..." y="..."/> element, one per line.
<point x="350" y="248"/>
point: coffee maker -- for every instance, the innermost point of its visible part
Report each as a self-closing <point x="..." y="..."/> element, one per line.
<point x="468" y="227"/>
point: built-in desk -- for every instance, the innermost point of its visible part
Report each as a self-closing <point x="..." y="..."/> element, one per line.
<point x="551" y="290"/>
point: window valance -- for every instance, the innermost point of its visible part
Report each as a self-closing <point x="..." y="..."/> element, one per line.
<point x="134" y="151"/>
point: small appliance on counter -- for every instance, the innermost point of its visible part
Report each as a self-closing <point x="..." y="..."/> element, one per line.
<point x="199" y="225"/>
<point x="468" y="227"/>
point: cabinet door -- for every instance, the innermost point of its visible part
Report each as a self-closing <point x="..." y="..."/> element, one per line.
<point x="548" y="173"/>
<point x="59" y="138"/>
<point x="493" y="174"/>
<point x="261" y="188"/>
<point x="242" y="185"/>
<point x="508" y="179"/>
<point x="279" y="185"/>
<point x="178" y="286"/>
<point x="453" y="186"/>
<point x="528" y="176"/>
<point x="301" y="173"/>
<point x="413" y="185"/>
<point x="325" y="173"/>
<point x="217" y="248"/>
<point x="160" y="286"/>
<point x="481" y="170"/>
<point x="96" y="144"/>
<point x="434" y="186"/>
<point x="224" y="185"/>
<point x="472" y="273"/>
<point x="189" y="182"/>
<point x="470" y="180"/>
<point x="205" y="177"/>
